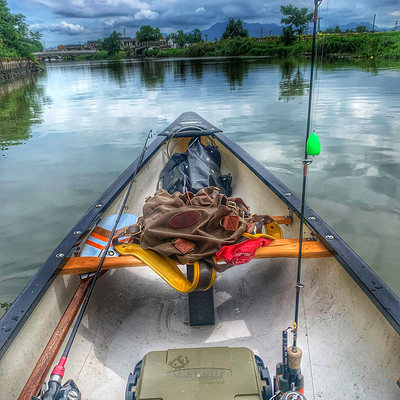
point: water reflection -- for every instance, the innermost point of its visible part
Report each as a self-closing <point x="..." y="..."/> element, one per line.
<point x="116" y="71"/>
<point x="152" y="73"/>
<point x="292" y="81"/>
<point x="179" y="68"/>
<point x="196" y="69"/>
<point x="236" y="70"/>
<point x="21" y="106"/>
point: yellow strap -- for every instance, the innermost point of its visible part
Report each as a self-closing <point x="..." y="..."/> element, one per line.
<point x="257" y="236"/>
<point x="164" y="267"/>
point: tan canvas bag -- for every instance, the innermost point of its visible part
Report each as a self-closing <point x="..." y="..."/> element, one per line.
<point x="192" y="227"/>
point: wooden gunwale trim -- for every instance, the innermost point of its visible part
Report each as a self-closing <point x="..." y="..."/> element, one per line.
<point x="49" y="353"/>
<point x="279" y="248"/>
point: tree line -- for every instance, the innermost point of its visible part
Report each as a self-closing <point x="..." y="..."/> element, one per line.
<point x="16" y="39"/>
<point x="147" y="33"/>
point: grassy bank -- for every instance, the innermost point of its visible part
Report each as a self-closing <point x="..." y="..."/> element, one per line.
<point x="103" y="55"/>
<point x="359" y="45"/>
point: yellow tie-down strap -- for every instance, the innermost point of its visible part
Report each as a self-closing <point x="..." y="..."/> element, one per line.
<point x="169" y="271"/>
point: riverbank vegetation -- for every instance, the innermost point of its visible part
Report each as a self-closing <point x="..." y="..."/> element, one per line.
<point x="292" y="42"/>
<point x="235" y="41"/>
<point x="16" y="39"/>
<point x="108" y="48"/>
<point x="357" y="45"/>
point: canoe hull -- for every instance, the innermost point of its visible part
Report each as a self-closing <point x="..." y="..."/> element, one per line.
<point x="349" y="344"/>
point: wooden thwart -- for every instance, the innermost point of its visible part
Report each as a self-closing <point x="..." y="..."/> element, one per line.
<point x="287" y="248"/>
<point x="282" y="220"/>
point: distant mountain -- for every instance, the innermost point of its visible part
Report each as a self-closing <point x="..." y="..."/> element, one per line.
<point x="255" y="30"/>
<point x="353" y="26"/>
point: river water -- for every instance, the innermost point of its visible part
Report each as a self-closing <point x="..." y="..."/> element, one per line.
<point x="67" y="134"/>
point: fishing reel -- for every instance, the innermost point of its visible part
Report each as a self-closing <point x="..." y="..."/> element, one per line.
<point x="293" y="395"/>
<point x="68" y="391"/>
<point x="289" y="381"/>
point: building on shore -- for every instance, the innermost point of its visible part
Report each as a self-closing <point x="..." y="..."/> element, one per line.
<point x="69" y="47"/>
<point x="92" y="44"/>
<point x="170" y="42"/>
<point x="126" y="42"/>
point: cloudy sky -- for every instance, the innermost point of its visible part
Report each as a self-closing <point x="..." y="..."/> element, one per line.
<point x="74" y="21"/>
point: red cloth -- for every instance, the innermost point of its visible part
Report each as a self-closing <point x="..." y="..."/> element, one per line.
<point x="241" y="253"/>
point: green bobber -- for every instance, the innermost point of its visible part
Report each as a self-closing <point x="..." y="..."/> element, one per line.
<point x="313" y="145"/>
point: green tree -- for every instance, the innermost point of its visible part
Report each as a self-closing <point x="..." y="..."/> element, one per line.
<point x="361" y="29"/>
<point x="194" y="36"/>
<point x="298" y="17"/>
<point x="148" y="34"/>
<point x="336" y="29"/>
<point x="15" y="33"/>
<point x="180" y="38"/>
<point x="37" y="44"/>
<point x="112" y="44"/>
<point x="234" y="29"/>
<point x="288" y="35"/>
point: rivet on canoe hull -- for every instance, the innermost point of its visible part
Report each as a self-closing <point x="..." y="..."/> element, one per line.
<point x="60" y="255"/>
<point x="288" y="194"/>
<point x="99" y="205"/>
<point x="311" y="218"/>
<point x="329" y="237"/>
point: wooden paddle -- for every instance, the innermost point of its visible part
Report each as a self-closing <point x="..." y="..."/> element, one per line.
<point x="49" y="353"/>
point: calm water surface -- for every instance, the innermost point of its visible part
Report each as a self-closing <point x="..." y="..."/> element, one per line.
<point x="66" y="135"/>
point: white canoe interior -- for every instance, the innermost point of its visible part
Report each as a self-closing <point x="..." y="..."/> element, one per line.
<point x="350" y="350"/>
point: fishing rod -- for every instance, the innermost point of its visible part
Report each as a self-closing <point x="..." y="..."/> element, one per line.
<point x="289" y="374"/>
<point x="312" y="147"/>
<point x="58" y="371"/>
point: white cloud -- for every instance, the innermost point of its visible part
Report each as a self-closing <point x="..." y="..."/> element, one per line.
<point x="396" y="13"/>
<point x="200" y="10"/>
<point x="146" y="14"/>
<point x="109" y="22"/>
<point x="68" y="28"/>
<point x="37" y="27"/>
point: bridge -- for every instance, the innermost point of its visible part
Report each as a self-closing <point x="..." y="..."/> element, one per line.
<point x="140" y="47"/>
<point x="137" y="50"/>
<point x="70" y="54"/>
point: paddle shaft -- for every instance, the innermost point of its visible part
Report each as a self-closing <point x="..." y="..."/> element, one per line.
<point x="306" y="162"/>
<point x="58" y="371"/>
<point x="49" y="353"/>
